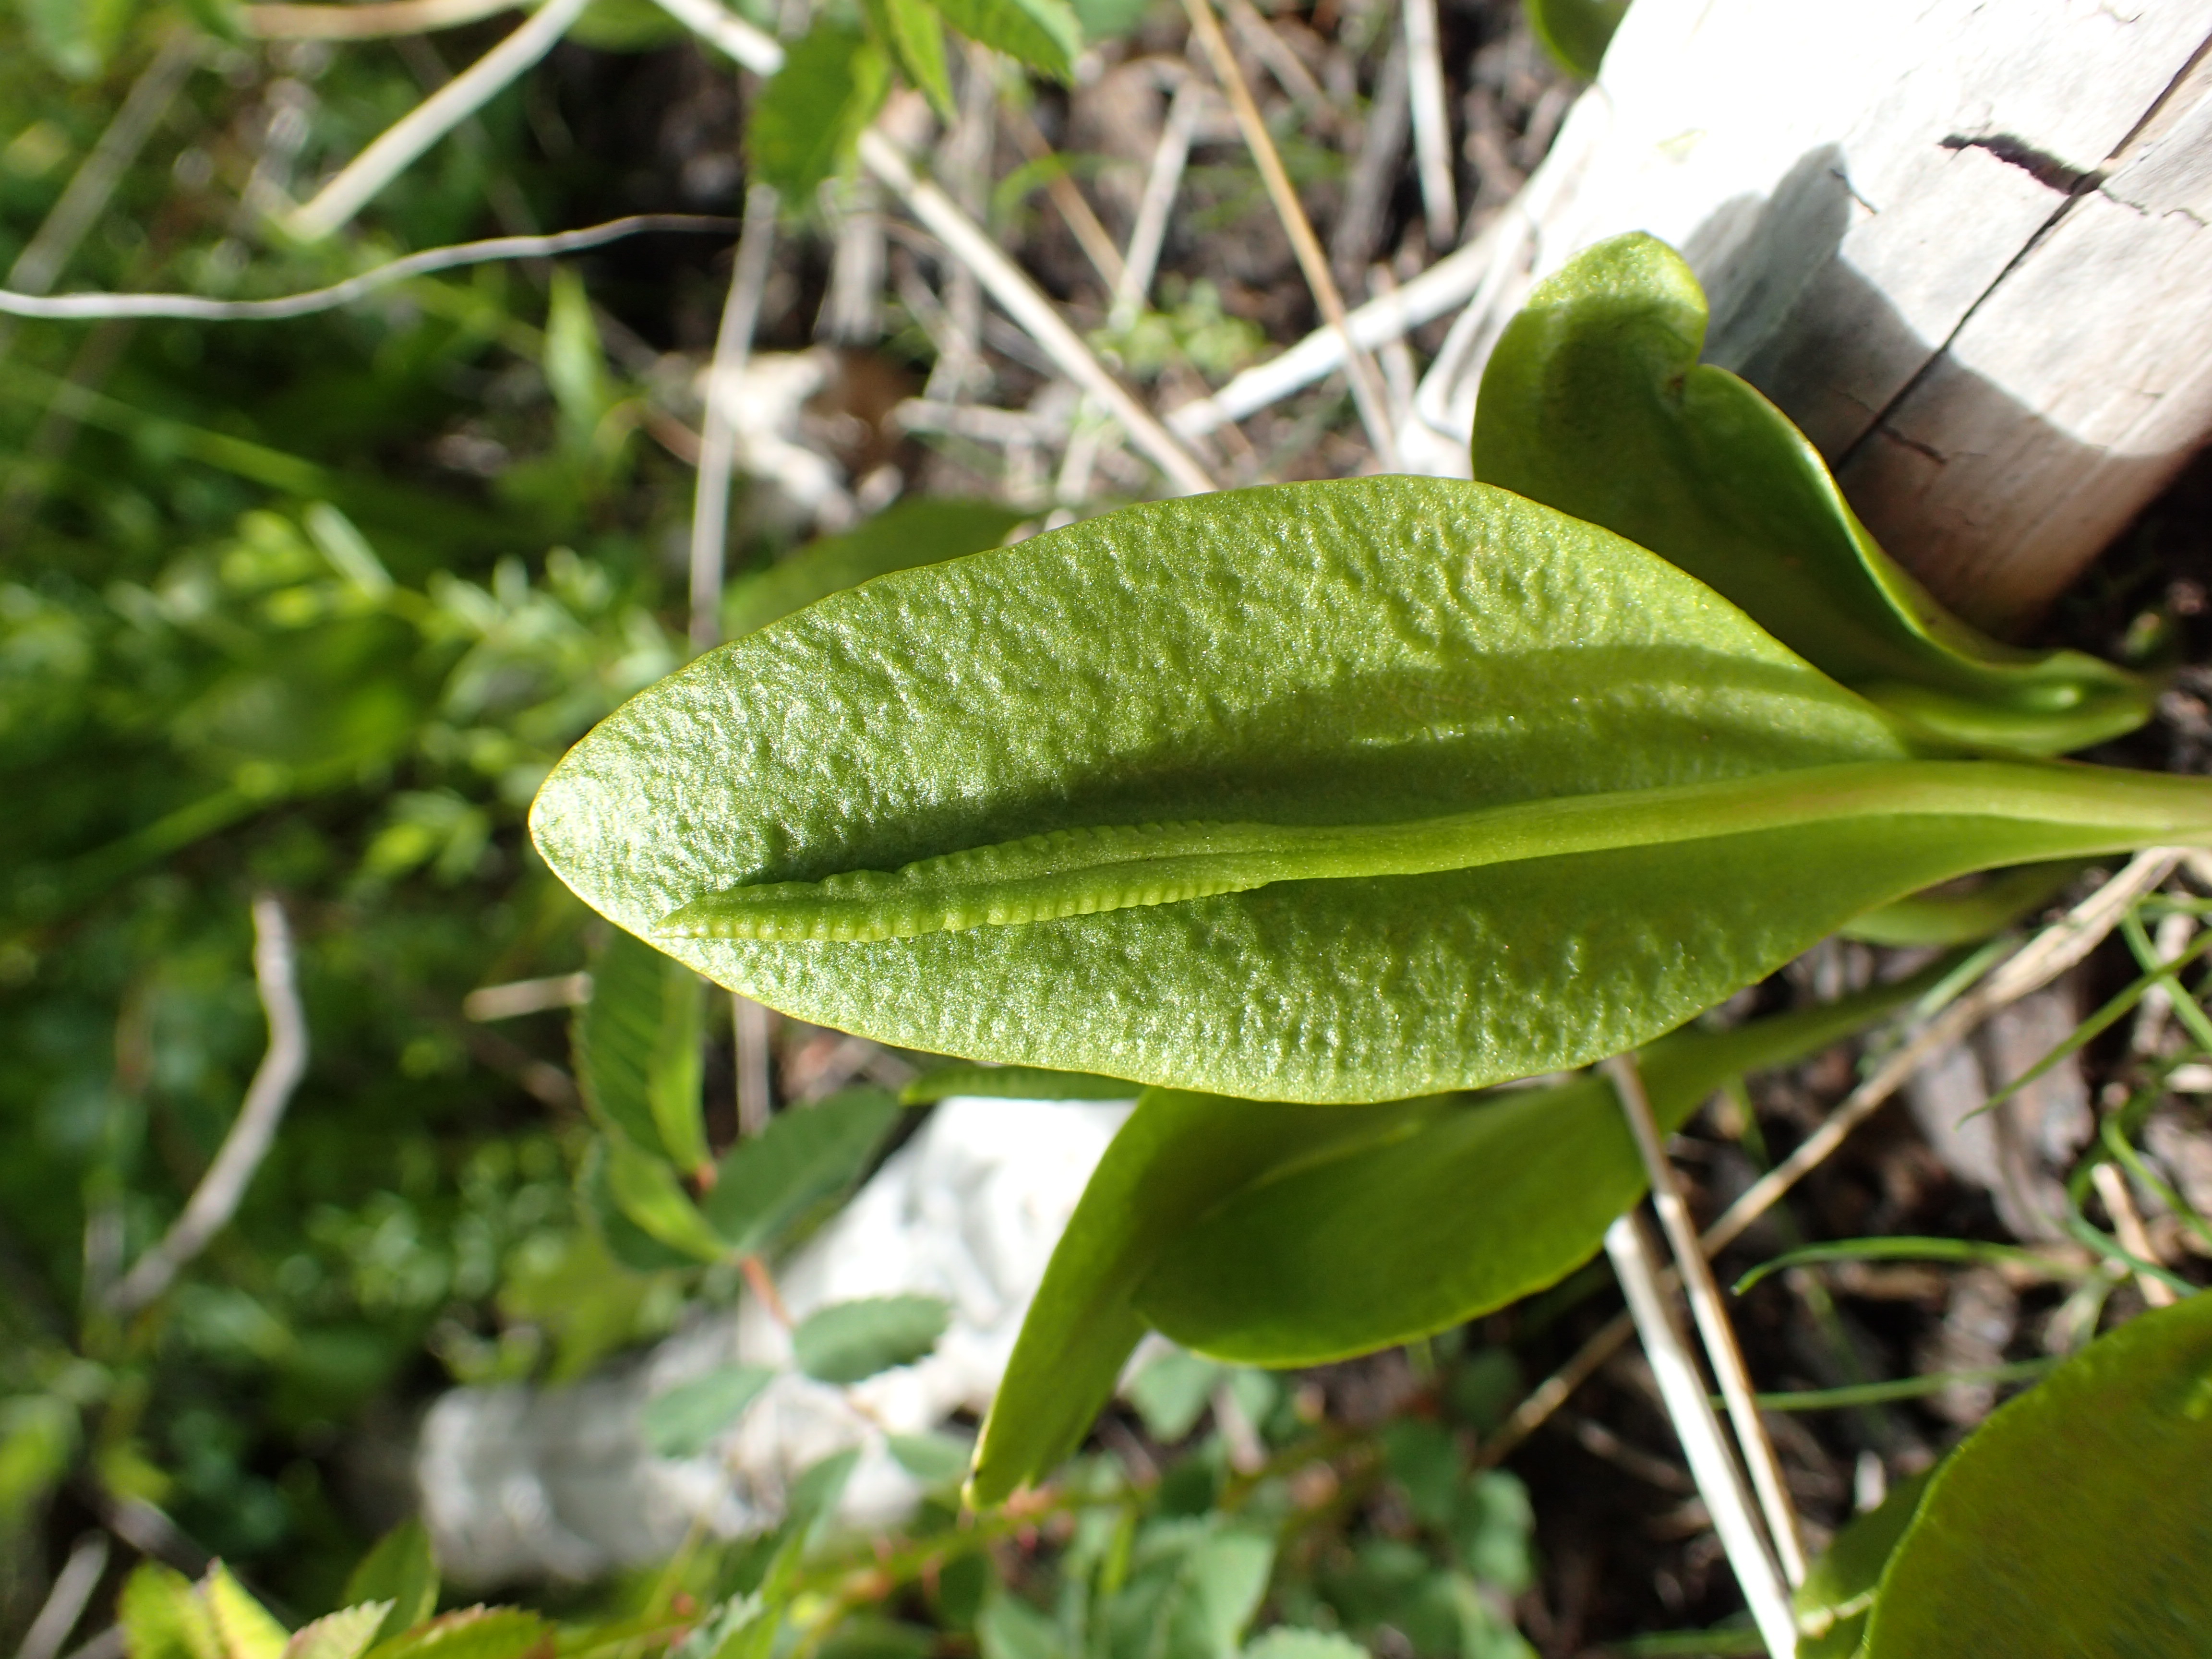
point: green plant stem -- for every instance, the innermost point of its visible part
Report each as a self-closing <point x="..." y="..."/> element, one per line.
<point x="1082" y="871"/>
<point x="1904" y="1387"/>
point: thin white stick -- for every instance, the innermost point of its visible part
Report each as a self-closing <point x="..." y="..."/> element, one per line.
<point x="86" y="195"/>
<point x="1712" y="1321"/>
<point x="718" y="438"/>
<point x="64" y="1604"/>
<point x="965" y="241"/>
<point x="373" y="21"/>
<point x="394" y="150"/>
<point x="216" y="1199"/>
<point x="1445" y="284"/>
<point x="748" y="1030"/>
<point x="2134" y="1238"/>
<point x="1719" y="1481"/>
<point x="1149" y="235"/>
<point x="727" y="32"/>
<point x="86" y="307"/>
<point x="526" y="996"/>
<point x="1424" y="69"/>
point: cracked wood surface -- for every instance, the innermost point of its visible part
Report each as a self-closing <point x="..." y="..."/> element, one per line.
<point x="1963" y="245"/>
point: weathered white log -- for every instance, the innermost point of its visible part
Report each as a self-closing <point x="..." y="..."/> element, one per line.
<point x="1965" y="245"/>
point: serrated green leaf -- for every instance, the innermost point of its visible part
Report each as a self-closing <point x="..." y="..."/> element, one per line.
<point x="935" y="1459"/>
<point x="246" y="1629"/>
<point x="1194" y="1586"/>
<point x="638" y="1049"/>
<point x="646" y="1190"/>
<point x="1577" y="32"/>
<point x="917" y="39"/>
<point x="626" y="1241"/>
<point x="162" y="1616"/>
<point x="2077" y="1519"/>
<point x="1010" y="1628"/>
<point x="851" y="1342"/>
<point x="399" y="1568"/>
<point x="925" y="530"/>
<point x="1045" y="34"/>
<point x="1595" y="403"/>
<point x="344" y="1634"/>
<point x="1014" y="1083"/>
<point x="685" y="1420"/>
<point x="810" y="114"/>
<point x="1360" y="677"/>
<point x="1175" y="1158"/>
<point x="1477" y="1202"/>
<point x="1171" y="1394"/>
<point x="804" y="1155"/>
<point x="1832" y="1603"/>
<point x="473" y="1633"/>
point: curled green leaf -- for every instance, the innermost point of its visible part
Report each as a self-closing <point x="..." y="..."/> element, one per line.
<point x="1510" y="794"/>
<point x="1595" y="403"/>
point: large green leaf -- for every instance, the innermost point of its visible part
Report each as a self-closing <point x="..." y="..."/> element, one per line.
<point x="809" y="116"/>
<point x="926" y="530"/>
<point x="2077" y="1519"/>
<point x="637" y="1047"/>
<point x="804" y="1155"/>
<point x="1175" y="1158"/>
<point x="1387" y="668"/>
<point x="1045" y="34"/>
<point x="1594" y="403"/>
<point x="1476" y="1202"/>
<point x="400" y="1569"/>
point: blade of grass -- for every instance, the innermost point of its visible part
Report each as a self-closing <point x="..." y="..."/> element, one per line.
<point x="1905" y="1388"/>
<point x="1962" y="1251"/>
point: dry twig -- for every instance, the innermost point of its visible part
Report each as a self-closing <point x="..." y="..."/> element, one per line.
<point x="1719" y="1481"/>
<point x="1366" y="383"/>
<point x="216" y="1199"/>
<point x="966" y="242"/>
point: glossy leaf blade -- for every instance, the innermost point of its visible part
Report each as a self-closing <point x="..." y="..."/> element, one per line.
<point x="2078" y="1518"/>
<point x="1171" y="1162"/>
<point x="1483" y="1201"/>
<point x="803" y="1155"/>
<point x="1594" y="403"/>
<point x="908" y="533"/>
<point x="1013" y="1083"/>
<point x="1374" y="651"/>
